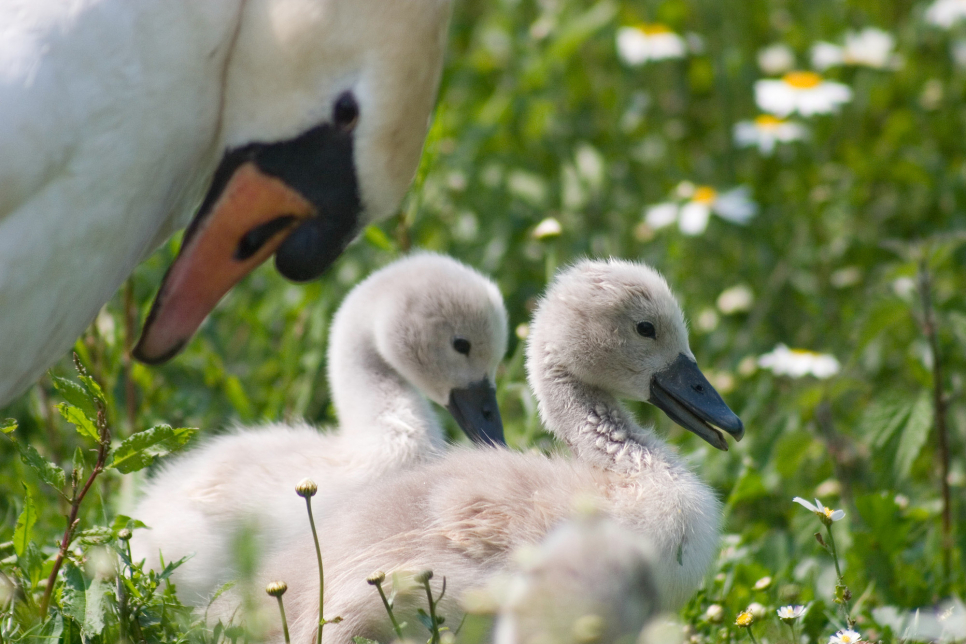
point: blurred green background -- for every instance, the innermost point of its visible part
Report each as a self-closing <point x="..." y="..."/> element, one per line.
<point x="540" y="117"/>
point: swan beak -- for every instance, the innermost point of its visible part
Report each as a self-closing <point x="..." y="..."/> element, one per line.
<point x="248" y="220"/>
<point x="475" y="410"/>
<point x="683" y="393"/>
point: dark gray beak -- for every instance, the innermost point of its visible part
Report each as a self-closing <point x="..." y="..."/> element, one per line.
<point x="683" y="393"/>
<point x="477" y="413"/>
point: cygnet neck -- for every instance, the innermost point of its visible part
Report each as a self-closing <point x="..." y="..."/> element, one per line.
<point x="596" y="426"/>
<point x="374" y="403"/>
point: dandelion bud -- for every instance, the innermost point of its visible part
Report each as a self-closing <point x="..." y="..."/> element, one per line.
<point x="276" y="588"/>
<point x="376" y="578"/>
<point x="423" y="576"/>
<point x="124" y="534"/>
<point x="306" y="488"/>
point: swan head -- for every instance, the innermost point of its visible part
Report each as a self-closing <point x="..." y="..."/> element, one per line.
<point x="326" y="105"/>
<point x="616" y="325"/>
<point x="443" y="327"/>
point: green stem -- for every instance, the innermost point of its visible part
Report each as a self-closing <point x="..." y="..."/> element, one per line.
<point x="752" y="635"/>
<point x="432" y="613"/>
<point x="835" y="556"/>
<point x="281" y="610"/>
<point x="392" y="618"/>
<point x="318" y="556"/>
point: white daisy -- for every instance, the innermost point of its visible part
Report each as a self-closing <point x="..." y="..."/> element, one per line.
<point x="870" y="47"/>
<point x="695" y="204"/>
<point x="642" y="43"/>
<point x="767" y="131"/>
<point x="845" y="637"/>
<point x="790" y="613"/>
<point x="796" y="363"/>
<point x="804" y="92"/>
<point x="776" y="59"/>
<point x="825" y="513"/>
<point x="946" y="13"/>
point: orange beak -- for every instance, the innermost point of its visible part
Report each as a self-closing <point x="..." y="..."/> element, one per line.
<point x="252" y="216"/>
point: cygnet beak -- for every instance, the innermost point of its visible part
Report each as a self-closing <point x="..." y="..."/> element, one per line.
<point x="683" y="393"/>
<point x="475" y="410"/>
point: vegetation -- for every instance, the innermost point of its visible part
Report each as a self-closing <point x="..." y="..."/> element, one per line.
<point x="845" y="240"/>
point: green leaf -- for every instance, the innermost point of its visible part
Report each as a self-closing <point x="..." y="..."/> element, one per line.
<point x="8" y="426"/>
<point x="48" y="472"/>
<point x="75" y="416"/>
<point x="78" y="465"/>
<point x="93" y="389"/>
<point x="914" y="435"/>
<point x="76" y="395"/>
<point x="25" y="524"/>
<point x="375" y="236"/>
<point x="83" y="600"/>
<point x="882" y="418"/>
<point x="140" y="450"/>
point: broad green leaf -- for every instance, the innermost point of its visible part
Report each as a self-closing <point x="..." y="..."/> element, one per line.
<point x="83" y="600"/>
<point x="914" y="435"/>
<point x="140" y="450"/>
<point x="8" y="425"/>
<point x="32" y="563"/>
<point x="75" y="416"/>
<point x="882" y="418"/>
<point x="76" y="395"/>
<point x="122" y="521"/>
<point x="375" y="236"/>
<point x="48" y="472"/>
<point x="23" y="533"/>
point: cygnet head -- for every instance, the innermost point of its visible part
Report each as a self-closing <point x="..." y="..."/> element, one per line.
<point x="440" y="325"/>
<point x="615" y="325"/>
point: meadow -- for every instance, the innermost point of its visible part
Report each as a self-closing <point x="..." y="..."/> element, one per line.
<point x="797" y="172"/>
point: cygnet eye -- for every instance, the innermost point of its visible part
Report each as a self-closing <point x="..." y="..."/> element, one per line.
<point x="345" y="114"/>
<point x="462" y="345"/>
<point x="646" y="329"/>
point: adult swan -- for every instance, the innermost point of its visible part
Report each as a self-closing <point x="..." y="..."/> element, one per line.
<point x="293" y="122"/>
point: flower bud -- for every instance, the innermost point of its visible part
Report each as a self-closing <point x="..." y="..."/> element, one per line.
<point x="423" y="576"/>
<point x="124" y="534"/>
<point x="276" y="588"/>
<point x="745" y="618"/>
<point x="306" y="488"/>
<point x="376" y="578"/>
<point x="714" y="613"/>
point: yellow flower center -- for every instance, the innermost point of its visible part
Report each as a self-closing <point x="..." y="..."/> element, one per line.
<point x="653" y="28"/>
<point x="802" y="80"/>
<point x="744" y="619"/>
<point x="705" y="195"/>
<point x="768" y="122"/>
<point x="802" y="353"/>
<point x="828" y="512"/>
<point x="845" y="638"/>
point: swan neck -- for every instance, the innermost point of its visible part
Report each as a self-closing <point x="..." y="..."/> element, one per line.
<point x="597" y="427"/>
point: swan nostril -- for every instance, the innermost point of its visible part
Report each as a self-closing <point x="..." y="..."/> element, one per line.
<point x="487" y="413"/>
<point x="698" y="388"/>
